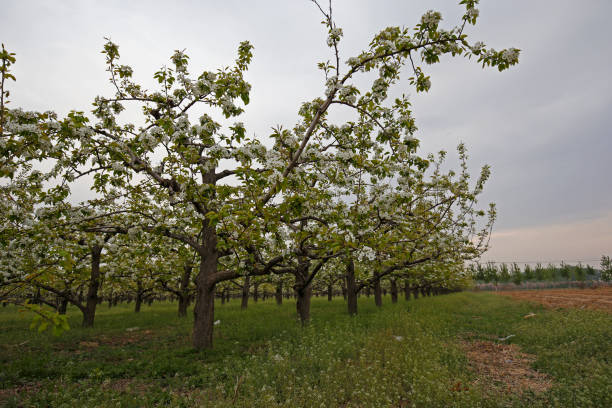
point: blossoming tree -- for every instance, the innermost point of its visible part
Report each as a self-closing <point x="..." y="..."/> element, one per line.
<point x="194" y="177"/>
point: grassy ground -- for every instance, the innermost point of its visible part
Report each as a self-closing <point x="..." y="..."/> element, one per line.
<point x="263" y="358"/>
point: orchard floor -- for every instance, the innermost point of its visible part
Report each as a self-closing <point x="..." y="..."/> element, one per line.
<point x="435" y="352"/>
<point x="591" y="298"/>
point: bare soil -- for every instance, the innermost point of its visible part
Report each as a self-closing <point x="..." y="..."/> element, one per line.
<point x="597" y="298"/>
<point x="7" y="393"/>
<point x="503" y="368"/>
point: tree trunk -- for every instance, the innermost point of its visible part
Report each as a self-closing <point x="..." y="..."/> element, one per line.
<point x="255" y="291"/>
<point x="330" y="292"/>
<point x="36" y="298"/>
<point x="303" y="290"/>
<point x="279" y="293"/>
<point x="393" y="291"/>
<point x="415" y="293"/>
<point x="89" y="313"/>
<point x="204" y="317"/>
<point x="351" y="288"/>
<point x="377" y="291"/>
<point x="303" y="304"/>
<point x="182" y="306"/>
<point x="184" y="290"/>
<point x="138" y="303"/>
<point x="407" y="291"/>
<point x="204" y="310"/>
<point x="245" y="292"/>
<point x="63" y="306"/>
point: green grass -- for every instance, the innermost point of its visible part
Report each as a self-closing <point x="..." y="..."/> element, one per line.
<point x="264" y="358"/>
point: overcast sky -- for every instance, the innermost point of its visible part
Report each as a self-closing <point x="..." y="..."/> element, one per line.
<point x="543" y="126"/>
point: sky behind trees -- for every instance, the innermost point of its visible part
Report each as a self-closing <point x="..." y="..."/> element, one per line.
<point x="543" y="125"/>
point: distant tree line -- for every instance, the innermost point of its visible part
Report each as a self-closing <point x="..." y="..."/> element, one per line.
<point x="512" y="273"/>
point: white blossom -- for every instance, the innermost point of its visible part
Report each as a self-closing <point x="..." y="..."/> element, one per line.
<point x="334" y="36"/>
<point x="472" y="13"/>
<point x="431" y="18"/>
<point x="510" y="55"/>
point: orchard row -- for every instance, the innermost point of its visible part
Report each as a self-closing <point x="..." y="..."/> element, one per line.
<point x="181" y="199"/>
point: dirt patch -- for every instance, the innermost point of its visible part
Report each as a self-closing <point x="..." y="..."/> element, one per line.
<point x="503" y="368"/>
<point x="89" y="344"/>
<point x="123" y="339"/>
<point x="128" y="385"/>
<point x="8" y="393"/>
<point x="600" y="298"/>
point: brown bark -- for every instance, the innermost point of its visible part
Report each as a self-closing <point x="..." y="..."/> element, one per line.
<point x="279" y="293"/>
<point x="205" y="290"/>
<point x="89" y="312"/>
<point x="255" y="291"/>
<point x="183" y="303"/>
<point x="351" y="288"/>
<point x="303" y="290"/>
<point x="183" y="295"/>
<point x="377" y="291"/>
<point x="36" y="299"/>
<point x="407" y="291"/>
<point x="139" y="299"/>
<point x="245" y="292"/>
<point x="393" y="291"/>
<point x="303" y="304"/>
<point x="204" y="317"/>
<point x="63" y="306"/>
<point x="330" y="292"/>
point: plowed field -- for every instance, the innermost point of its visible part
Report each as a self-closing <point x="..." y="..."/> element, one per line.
<point x="600" y="298"/>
